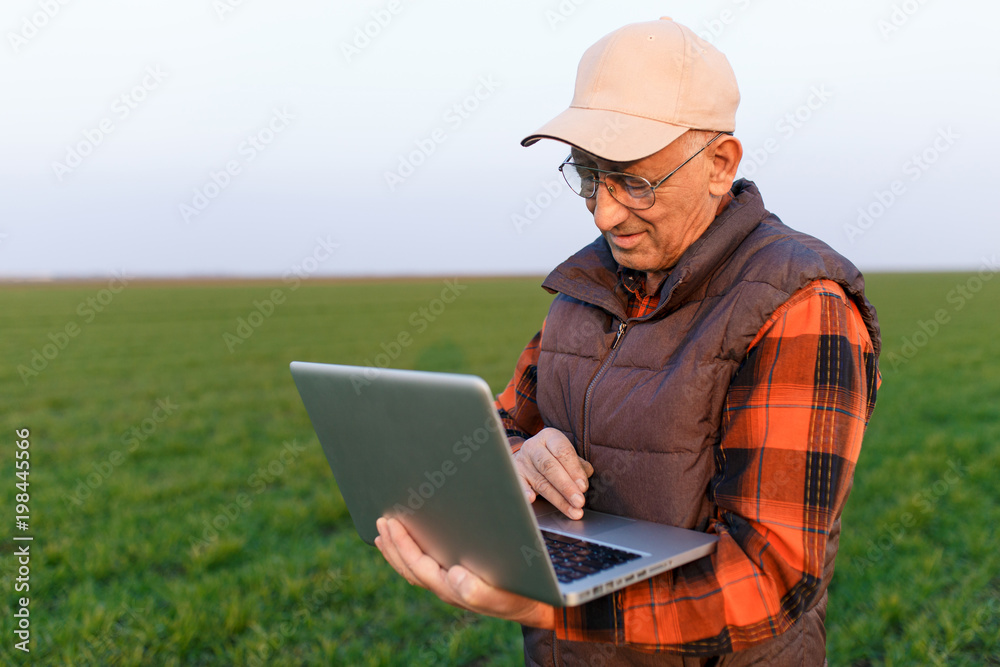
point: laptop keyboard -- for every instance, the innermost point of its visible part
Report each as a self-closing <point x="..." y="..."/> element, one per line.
<point x="574" y="558"/>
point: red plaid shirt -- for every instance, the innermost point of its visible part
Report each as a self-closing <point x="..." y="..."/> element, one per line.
<point x="791" y="433"/>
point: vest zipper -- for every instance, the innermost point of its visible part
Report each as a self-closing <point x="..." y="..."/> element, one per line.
<point x="590" y="388"/>
<point x="621" y="331"/>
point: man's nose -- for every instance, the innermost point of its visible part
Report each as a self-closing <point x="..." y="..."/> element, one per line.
<point x="608" y="211"/>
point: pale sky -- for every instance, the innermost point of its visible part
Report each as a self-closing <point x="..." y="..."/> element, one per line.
<point x="246" y="138"/>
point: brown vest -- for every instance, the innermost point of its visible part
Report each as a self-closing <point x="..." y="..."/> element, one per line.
<point x="653" y="452"/>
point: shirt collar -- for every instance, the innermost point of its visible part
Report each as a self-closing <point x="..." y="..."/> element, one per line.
<point x="633" y="281"/>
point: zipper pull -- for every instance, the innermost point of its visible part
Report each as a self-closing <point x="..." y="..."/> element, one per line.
<point x="618" y="336"/>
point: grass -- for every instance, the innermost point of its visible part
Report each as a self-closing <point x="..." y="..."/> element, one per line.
<point x="184" y="514"/>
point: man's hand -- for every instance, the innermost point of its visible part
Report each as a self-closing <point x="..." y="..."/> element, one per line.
<point x="547" y="465"/>
<point x="456" y="586"/>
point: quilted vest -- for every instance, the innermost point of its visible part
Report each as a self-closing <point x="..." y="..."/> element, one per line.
<point x="642" y="399"/>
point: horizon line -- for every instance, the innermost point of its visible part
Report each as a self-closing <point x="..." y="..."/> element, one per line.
<point x="379" y="277"/>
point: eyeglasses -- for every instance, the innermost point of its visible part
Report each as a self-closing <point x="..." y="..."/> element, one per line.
<point x="635" y="192"/>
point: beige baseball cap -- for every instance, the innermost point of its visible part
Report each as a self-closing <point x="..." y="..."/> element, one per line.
<point x="641" y="87"/>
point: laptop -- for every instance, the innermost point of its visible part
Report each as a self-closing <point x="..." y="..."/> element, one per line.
<point x="430" y="449"/>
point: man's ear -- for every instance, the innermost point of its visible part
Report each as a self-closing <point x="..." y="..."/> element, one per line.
<point x="725" y="161"/>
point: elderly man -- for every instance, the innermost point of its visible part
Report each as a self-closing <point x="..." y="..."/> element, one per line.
<point x="702" y="366"/>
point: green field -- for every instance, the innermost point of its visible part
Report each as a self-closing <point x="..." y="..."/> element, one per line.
<point x="183" y="512"/>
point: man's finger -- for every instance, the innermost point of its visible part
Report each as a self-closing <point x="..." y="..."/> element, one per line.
<point x="566" y="455"/>
<point x="578" y="468"/>
<point x="387" y="546"/>
<point x="542" y="462"/>
<point x="467" y="586"/>
<point x="559" y="469"/>
<point x="529" y="492"/>
<point x="550" y="481"/>
<point x="425" y="570"/>
<point x="458" y="587"/>
<point x="479" y="596"/>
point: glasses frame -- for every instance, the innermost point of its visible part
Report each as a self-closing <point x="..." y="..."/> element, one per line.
<point x="611" y="186"/>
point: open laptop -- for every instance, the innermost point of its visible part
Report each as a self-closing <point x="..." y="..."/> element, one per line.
<point x="429" y="449"/>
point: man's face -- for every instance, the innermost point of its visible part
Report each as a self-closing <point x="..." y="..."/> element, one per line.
<point x="652" y="240"/>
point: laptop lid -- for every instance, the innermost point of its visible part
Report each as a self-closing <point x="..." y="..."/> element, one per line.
<point x="429" y="448"/>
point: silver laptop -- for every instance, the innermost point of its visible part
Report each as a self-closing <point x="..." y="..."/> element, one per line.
<point x="429" y="449"/>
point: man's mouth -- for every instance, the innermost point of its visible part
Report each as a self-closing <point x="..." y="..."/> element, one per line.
<point x="626" y="241"/>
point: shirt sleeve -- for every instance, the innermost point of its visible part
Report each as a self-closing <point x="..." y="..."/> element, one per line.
<point x="517" y="405"/>
<point x="792" y="425"/>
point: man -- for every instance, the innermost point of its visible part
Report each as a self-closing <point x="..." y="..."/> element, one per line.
<point x="702" y="365"/>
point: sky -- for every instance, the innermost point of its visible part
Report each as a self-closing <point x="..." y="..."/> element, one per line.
<point x="199" y="138"/>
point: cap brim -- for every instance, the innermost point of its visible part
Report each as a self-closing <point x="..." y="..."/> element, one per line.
<point x="611" y="135"/>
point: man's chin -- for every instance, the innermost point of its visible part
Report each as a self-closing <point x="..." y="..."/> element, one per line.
<point x="627" y="259"/>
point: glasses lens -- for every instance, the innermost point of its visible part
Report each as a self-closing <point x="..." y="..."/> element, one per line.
<point x="633" y="191"/>
<point x="581" y="180"/>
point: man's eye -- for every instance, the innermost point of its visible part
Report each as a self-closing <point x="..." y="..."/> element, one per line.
<point x="635" y="186"/>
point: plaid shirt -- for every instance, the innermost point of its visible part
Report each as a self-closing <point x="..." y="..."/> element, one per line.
<point x="791" y="431"/>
